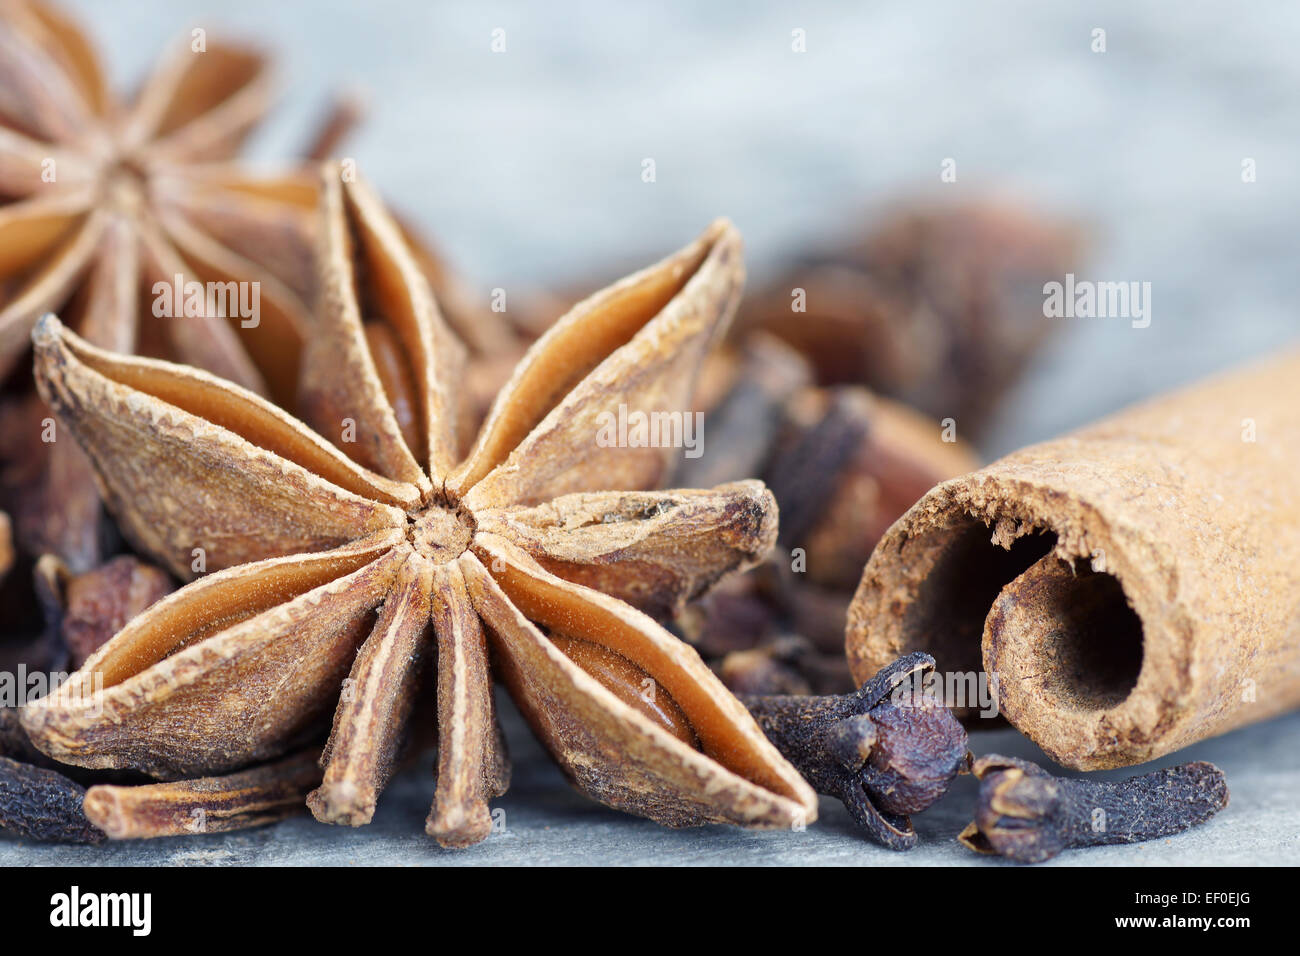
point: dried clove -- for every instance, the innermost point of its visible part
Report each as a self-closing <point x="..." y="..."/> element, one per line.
<point x="236" y="801"/>
<point x="743" y="424"/>
<point x="805" y="475"/>
<point x="43" y="805"/>
<point x="843" y="464"/>
<point x="772" y="668"/>
<point x="938" y="306"/>
<point x="98" y="604"/>
<point x="886" y="750"/>
<point x="1027" y="815"/>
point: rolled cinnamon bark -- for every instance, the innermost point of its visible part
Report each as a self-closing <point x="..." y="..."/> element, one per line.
<point x="1133" y="587"/>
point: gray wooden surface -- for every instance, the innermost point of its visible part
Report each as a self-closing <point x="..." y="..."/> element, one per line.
<point x="547" y="822"/>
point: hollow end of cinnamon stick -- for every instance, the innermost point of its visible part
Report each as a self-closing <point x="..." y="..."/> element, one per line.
<point x="1063" y="638"/>
<point x="985" y="583"/>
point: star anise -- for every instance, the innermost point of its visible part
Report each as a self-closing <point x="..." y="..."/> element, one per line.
<point x="348" y="570"/>
<point x="100" y="200"/>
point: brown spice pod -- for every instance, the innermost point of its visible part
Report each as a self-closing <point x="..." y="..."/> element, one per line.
<point x="1141" y="587"/>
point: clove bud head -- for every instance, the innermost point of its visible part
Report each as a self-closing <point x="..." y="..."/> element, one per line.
<point x="885" y="750"/>
<point x="919" y="748"/>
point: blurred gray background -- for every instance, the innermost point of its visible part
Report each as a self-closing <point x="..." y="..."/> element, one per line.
<point x="525" y="166"/>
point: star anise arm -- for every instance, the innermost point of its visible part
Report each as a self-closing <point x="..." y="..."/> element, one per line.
<point x="381" y="355"/>
<point x="59" y="514"/>
<point x="112" y="290"/>
<point x="228" y="670"/>
<point x="644" y="726"/>
<point x="25" y="165"/>
<point x="472" y="767"/>
<point x="188" y="461"/>
<point x="264" y="218"/>
<point x="52" y="79"/>
<point x="36" y="224"/>
<point x="275" y="342"/>
<point x="237" y="801"/>
<point x="199" y="106"/>
<point x="345" y="111"/>
<point x="205" y="341"/>
<point x="63" y="235"/>
<point x="656" y="550"/>
<point x="78" y="53"/>
<point x="633" y="347"/>
<point x="376" y="701"/>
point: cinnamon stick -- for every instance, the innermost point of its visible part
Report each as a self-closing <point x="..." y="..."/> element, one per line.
<point x="1134" y="587"/>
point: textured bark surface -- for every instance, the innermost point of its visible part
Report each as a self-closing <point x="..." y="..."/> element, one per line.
<point x="1134" y="585"/>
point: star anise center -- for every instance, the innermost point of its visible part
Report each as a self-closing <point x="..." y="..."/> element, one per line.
<point x="442" y="531"/>
<point x="124" y="189"/>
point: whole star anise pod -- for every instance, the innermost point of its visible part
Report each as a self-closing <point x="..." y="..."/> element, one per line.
<point x="101" y="200"/>
<point x="345" y="571"/>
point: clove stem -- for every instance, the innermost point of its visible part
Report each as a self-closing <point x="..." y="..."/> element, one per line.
<point x="43" y="805"/>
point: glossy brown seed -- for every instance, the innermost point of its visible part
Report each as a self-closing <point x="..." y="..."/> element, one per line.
<point x="629" y="684"/>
